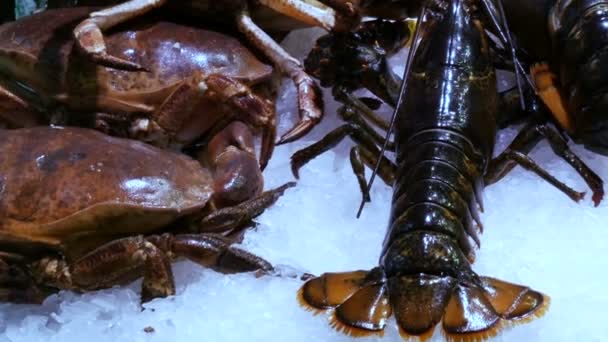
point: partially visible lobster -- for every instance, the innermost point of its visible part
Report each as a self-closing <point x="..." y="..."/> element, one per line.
<point x="572" y="37"/>
<point x="445" y="132"/>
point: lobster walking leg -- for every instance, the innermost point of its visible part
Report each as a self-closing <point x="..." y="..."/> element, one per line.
<point x="366" y="152"/>
<point x="525" y="141"/>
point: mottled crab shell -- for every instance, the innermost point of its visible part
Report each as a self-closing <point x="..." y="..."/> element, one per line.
<point x="59" y="185"/>
<point x="39" y="52"/>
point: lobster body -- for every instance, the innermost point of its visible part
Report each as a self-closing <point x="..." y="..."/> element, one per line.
<point x="444" y="135"/>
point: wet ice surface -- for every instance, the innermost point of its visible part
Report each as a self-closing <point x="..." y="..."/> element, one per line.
<point x="534" y="235"/>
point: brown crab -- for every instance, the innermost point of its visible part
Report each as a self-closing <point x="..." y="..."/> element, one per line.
<point x="334" y="15"/>
<point x="81" y="210"/>
<point x="198" y="81"/>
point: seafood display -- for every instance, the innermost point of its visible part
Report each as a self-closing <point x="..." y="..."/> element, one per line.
<point x="128" y="139"/>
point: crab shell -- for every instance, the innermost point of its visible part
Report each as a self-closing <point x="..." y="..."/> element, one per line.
<point x="62" y="187"/>
<point x="39" y="61"/>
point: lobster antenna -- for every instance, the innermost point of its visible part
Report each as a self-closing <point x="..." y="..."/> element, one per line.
<point x="506" y="37"/>
<point x="406" y="73"/>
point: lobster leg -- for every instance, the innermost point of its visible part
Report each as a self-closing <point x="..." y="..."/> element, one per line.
<point x="309" y="94"/>
<point x="524" y="142"/>
<point x="89" y="36"/>
<point x="529" y="164"/>
<point x="333" y="138"/>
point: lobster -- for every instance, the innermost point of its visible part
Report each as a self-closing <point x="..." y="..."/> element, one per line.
<point x="444" y="137"/>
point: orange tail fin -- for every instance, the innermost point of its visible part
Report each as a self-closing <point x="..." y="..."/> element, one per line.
<point x="361" y="302"/>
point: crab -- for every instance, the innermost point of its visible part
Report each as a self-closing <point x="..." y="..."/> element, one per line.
<point x="198" y="81"/>
<point x="246" y="15"/>
<point x="80" y="210"/>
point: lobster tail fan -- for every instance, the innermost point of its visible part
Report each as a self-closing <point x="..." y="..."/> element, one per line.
<point x="364" y="313"/>
<point x="514" y="302"/>
<point x="361" y="306"/>
<point x="469" y="316"/>
<point x="419" y="303"/>
<point x="468" y="312"/>
<point x="476" y="313"/>
<point x="330" y="289"/>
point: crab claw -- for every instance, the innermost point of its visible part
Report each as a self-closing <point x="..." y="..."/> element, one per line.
<point x="249" y="106"/>
<point x="89" y="39"/>
<point x="268" y="137"/>
<point x="310" y="102"/>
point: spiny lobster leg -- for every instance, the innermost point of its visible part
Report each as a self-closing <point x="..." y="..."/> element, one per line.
<point x="310" y="102"/>
<point x="524" y="142"/>
<point x="89" y="36"/>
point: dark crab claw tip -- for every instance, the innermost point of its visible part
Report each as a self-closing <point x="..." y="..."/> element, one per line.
<point x="295" y="169"/>
<point x="268" y="137"/>
<point x="298" y="131"/>
<point x="598" y="195"/>
<point x="110" y="61"/>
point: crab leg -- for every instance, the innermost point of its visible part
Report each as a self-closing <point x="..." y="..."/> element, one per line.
<point x="310" y="12"/>
<point x="227" y="219"/>
<point x="16" y="286"/>
<point x="309" y="95"/>
<point x="89" y="35"/>
<point x="128" y="258"/>
<point x="17" y="112"/>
